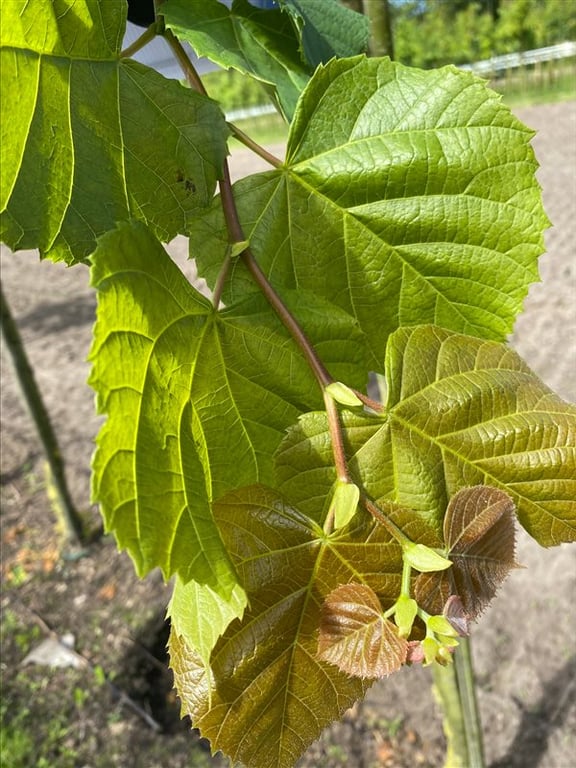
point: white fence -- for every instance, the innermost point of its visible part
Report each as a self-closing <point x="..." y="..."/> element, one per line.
<point x="515" y="60"/>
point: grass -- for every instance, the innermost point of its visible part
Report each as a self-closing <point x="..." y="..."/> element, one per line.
<point x="544" y="86"/>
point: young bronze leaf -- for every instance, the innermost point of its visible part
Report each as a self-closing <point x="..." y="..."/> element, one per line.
<point x="266" y="695"/>
<point x="355" y="636"/>
<point x="480" y="538"/>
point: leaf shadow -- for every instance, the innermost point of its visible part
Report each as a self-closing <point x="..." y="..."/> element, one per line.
<point x="538" y="723"/>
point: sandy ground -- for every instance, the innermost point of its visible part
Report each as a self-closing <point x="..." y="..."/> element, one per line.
<point x="524" y="646"/>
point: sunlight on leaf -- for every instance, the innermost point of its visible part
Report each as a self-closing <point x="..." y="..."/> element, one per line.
<point x="86" y="125"/>
<point x="197" y="403"/>
<point x="480" y="540"/>
<point x="355" y="636"/>
<point x="418" y="204"/>
<point x="460" y="412"/>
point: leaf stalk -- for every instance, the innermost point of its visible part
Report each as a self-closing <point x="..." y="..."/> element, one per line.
<point x="149" y="34"/>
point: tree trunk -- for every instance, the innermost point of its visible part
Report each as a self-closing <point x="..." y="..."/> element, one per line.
<point x="381" y="39"/>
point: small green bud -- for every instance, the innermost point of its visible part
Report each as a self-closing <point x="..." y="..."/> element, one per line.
<point x="238" y="248"/>
<point x="344" y="503"/>
<point x="424" y="559"/>
<point x="430" y="646"/>
<point x="343" y="394"/>
<point x="405" y="612"/>
<point x="441" y="626"/>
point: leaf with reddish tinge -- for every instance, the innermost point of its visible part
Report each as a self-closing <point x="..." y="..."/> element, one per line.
<point x="266" y="694"/>
<point x="480" y="539"/>
<point x="356" y="637"/>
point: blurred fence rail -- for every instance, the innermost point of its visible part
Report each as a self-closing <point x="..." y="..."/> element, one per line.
<point x="498" y="64"/>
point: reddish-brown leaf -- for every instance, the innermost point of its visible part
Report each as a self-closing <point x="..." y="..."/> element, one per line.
<point x="355" y="636"/>
<point x="480" y="537"/>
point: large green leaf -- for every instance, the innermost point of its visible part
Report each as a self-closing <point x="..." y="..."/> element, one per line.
<point x="407" y="197"/>
<point x="197" y="400"/>
<point x="88" y="138"/>
<point x="329" y="29"/>
<point x="266" y="695"/>
<point x="260" y="43"/>
<point x="460" y="412"/>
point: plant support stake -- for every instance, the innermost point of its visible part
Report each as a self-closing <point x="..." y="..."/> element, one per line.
<point x="65" y="507"/>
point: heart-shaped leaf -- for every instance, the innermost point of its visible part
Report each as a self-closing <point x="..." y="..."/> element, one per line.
<point x="197" y="403"/>
<point x="109" y="138"/>
<point x="460" y="412"/>
<point x="266" y="695"/>
<point x="193" y="410"/>
<point x="417" y="205"/>
<point x="355" y="636"/>
<point x="479" y="531"/>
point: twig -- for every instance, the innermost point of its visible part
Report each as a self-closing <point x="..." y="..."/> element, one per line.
<point x="122" y="697"/>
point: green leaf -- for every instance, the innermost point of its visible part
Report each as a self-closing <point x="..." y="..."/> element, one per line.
<point x="197" y="402"/>
<point x="355" y="636"/>
<point x="266" y="695"/>
<point x="89" y="139"/>
<point x="329" y="29"/>
<point x="260" y="43"/>
<point x="201" y="614"/>
<point x="460" y="412"/>
<point x="418" y="204"/>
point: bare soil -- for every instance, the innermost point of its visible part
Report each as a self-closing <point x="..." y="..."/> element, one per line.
<point x="118" y="707"/>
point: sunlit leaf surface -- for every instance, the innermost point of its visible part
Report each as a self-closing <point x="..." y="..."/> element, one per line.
<point x="407" y="197"/>
<point x="460" y="412"/>
<point x="266" y="695"/>
<point x="108" y="138"/>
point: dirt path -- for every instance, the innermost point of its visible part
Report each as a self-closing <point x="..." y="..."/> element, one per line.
<point x="525" y="644"/>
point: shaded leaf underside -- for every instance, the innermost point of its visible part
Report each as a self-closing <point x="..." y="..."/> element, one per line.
<point x="260" y="43"/>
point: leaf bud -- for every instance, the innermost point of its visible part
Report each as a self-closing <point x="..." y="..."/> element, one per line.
<point x="424" y="559"/>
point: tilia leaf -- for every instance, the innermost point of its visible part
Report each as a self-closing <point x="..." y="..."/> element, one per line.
<point x="89" y="139"/>
<point x="266" y="695"/>
<point x="480" y="539"/>
<point x="197" y="403"/>
<point x="355" y="636"/>
<point x="257" y="42"/>
<point x="328" y="29"/>
<point x="418" y="204"/>
<point x="461" y="412"/>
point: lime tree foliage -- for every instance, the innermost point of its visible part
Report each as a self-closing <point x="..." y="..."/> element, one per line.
<point x="318" y="538"/>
